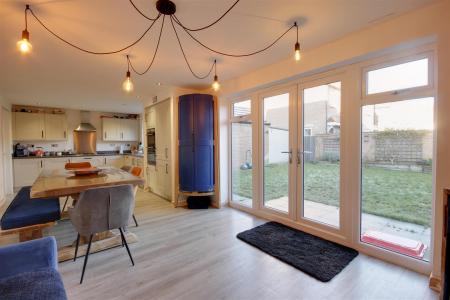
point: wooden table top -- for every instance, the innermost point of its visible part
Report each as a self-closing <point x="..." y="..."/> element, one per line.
<point x="58" y="183"/>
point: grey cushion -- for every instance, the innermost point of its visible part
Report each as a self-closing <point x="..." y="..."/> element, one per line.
<point x="42" y="284"/>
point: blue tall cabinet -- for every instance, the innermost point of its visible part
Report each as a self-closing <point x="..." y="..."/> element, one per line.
<point x="196" y="142"/>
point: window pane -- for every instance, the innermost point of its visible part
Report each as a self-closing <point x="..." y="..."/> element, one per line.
<point x="242" y="108"/>
<point x="276" y="156"/>
<point x="396" y="193"/>
<point x="321" y="153"/>
<point x="241" y="163"/>
<point x="398" y="77"/>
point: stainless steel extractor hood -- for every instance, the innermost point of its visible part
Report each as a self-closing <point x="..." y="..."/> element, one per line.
<point x="85" y="135"/>
<point x="85" y="125"/>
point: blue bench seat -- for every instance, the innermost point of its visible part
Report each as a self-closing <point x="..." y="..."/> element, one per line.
<point x="24" y="211"/>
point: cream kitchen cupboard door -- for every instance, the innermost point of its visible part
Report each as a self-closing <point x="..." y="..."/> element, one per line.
<point x="162" y="130"/>
<point x="28" y="126"/>
<point x="111" y="129"/>
<point x="126" y="130"/>
<point x="129" y="130"/>
<point x="116" y="161"/>
<point x="55" y="127"/>
<point x="26" y="171"/>
<point x="57" y="163"/>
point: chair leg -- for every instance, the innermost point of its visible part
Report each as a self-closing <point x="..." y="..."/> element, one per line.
<point x="65" y="203"/>
<point x="76" y="248"/>
<point x="121" y="237"/>
<point x="126" y="245"/>
<point x="135" y="222"/>
<point x="86" y="258"/>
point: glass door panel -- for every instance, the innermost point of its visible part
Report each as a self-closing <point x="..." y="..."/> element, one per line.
<point x="321" y="153"/>
<point x="277" y="152"/>
<point x="397" y="180"/>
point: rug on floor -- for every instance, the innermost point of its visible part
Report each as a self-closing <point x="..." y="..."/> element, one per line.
<point x="315" y="256"/>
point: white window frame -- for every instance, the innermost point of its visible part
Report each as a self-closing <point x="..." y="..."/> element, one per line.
<point x="387" y="97"/>
<point x="385" y="62"/>
<point x="239" y="119"/>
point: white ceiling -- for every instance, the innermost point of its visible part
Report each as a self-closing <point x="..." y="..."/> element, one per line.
<point x="57" y="75"/>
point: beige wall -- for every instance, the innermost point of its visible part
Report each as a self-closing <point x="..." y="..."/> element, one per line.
<point x="430" y="21"/>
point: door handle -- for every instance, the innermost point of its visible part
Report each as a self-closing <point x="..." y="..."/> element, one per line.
<point x="300" y="155"/>
<point x="290" y="155"/>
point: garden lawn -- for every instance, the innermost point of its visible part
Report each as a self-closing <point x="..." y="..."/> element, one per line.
<point x="399" y="195"/>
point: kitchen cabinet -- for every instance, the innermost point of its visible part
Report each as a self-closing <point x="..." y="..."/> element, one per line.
<point x="96" y="161"/>
<point x="116" y="161"/>
<point x="163" y="130"/>
<point x="126" y="130"/>
<point x="26" y="171"/>
<point x="130" y="130"/>
<point x="54" y="163"/>
<point x="196" y="143"/>
<point x="39" y="127"/>
<point x="162" y="181"/>
<point x="28" y="126"/>
<point x="55" y="127"/>
<point x="151" y="177"/>
<point x="111" y="129"/>
<point x="150" y="117"/>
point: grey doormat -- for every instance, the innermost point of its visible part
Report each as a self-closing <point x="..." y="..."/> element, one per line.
<point x="315" y="256"/>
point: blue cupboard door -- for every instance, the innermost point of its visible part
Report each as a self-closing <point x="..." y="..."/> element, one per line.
<point x="186" y="142"/>
<point x="204" y="143"/>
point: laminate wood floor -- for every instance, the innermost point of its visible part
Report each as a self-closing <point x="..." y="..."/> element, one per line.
<point x="194" y="254"/>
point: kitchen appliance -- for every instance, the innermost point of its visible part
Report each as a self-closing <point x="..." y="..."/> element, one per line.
<point x="20" y="150"/>
<point x="151" y="146"/>
<point x="85" y="136"/>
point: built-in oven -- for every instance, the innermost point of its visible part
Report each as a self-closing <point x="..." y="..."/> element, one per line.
<point x="151" y="147"/>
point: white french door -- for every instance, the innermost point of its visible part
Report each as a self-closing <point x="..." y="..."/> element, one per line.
<point x="300" y="153"/>
<point x="278" y="145"/>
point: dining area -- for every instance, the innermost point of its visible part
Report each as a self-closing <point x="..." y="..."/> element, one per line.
<point x="93" y="206"/>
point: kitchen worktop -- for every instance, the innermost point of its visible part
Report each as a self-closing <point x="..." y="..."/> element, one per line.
<point x="100" y="153"/>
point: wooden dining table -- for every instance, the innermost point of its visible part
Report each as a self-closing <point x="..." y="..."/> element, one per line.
<point x="63" y="183"/>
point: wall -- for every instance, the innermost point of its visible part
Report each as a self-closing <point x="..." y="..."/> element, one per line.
<point x="428" y="23"/>
<point x="73" y="120"/>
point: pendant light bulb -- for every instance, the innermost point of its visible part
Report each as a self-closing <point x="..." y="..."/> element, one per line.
<point x="24" y="44"/>
<point x="297" y="54"/>
<point x="127" y="84"/>
<point x="216" y="84"/>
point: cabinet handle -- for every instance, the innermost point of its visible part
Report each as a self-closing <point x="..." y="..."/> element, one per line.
<point x="166" y="170"/>
<point x="42" y="133"/>
<point x="166" y="151"/>
<point x="41" y="163"/>
<point x="64" y="134"/>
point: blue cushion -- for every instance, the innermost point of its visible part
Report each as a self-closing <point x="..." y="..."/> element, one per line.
<point x="40" y="284"/>
<point x="28" y="256"/>
<point x="24" y="211"/>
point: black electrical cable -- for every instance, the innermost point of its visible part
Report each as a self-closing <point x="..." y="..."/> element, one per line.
<point x="85" y="50"/>
<point x="207" y="26"/>
<point x="234" y="55"/>
<point x="154" y="54"/>
<point x="141" y="13"/>
<point x="185" y="58"/>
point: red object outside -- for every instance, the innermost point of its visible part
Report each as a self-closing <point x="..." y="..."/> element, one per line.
<point x="395" y="243"/>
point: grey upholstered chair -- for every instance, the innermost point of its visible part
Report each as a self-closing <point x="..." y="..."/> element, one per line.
<point x="102" y="209"/>
<point x="129" y="169"/>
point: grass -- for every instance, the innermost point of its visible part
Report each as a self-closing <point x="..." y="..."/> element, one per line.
<point x="399" y="195"/>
